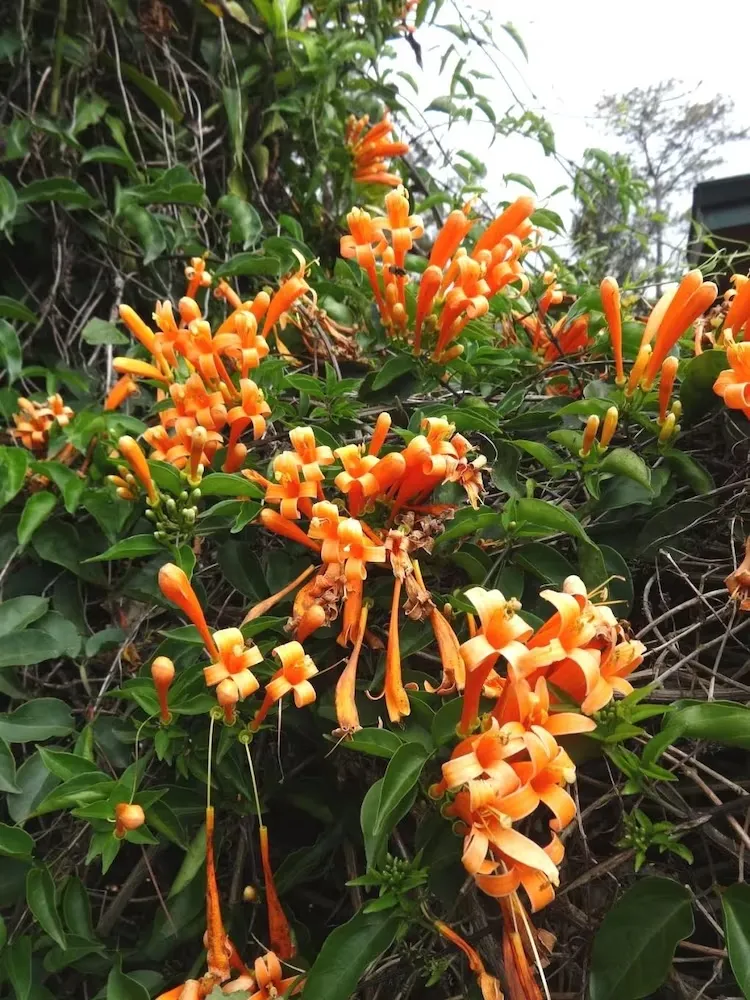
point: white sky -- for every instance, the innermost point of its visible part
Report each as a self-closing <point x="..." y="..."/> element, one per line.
<point x="578" y="51"/>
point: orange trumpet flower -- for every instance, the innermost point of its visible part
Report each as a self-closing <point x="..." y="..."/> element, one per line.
<point x="278" y="925"/>
<point x="733" y="384"/>
<point x="130" y="450"/>
<point x="294" y="675"/>
<point x="504" y="224"/>
<point x="396" y="698"/>
<point x="123" y="387"/>
<point x="293" y="496"/>
<point x="365" y="244"/>
<point x="610" y="293"/>
<point x="666" y="384"/>
<point x="176" y="587"/>
<point x="217" y="953"/>
<point x="233" y="661"/>
<point x="488" y="985"/>
<point x="274" y="521"/>
<point x="268" y="977"/>
<point x="197" y="276"/>
<point x="162" y="673"/>
<point x="683" y="311"/>
<point x="739" y="311"/>
<point x="140" y="330"/>
<point x="310" y="455"/>
<point x="141" y="369"/>
<point x="346" y="705"/>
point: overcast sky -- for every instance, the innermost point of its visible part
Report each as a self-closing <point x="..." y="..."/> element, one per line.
<point x="578" y="51"/>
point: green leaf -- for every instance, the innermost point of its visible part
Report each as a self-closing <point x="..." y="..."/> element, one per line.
<point x="161" y="98"/>
<point x="130" y="548"/>
<point x="235" y="105"/>
<point x="634" y="946"/>
<point x="346" y="954"/>
<point x="13" y="465"/>
<point x="376" y="742"/>
<point x="99" y="331"/>
<point x="538" y="517"/>
<point x="36" y="510"/>
<point x="193" y="861"/>
<point x="149" y="233"/>
<point x="8" y="203"/>
<point x="545" y="562"/>
<point x="246" y="225"/>
<point x="624" y="462"/>
<point x="109" y="154"/>
<point x="514" y="34"/>
<point x="40" y="719"/>
<point x="546" y="456"/>
<point x="723" y="722"/>
<point x="77" y="909"/>
<point x="63" y="631"/>
<point x="17" y="960"/>
<point x="40" y="896"/>
<point x="445" y="722"/>
<point x="7" y="769"/>
<point x="10" y="351"/>
<point x="122" y="987"/>
<point x="65" y="765"/>
<point x="520" y="179"/>
<point x="13" y="309"/>
<point x="225" y="484"/>
<point x="250" y="263"/>
<point x="60" y="543"/>
<point x="15" y="842"/>
<point x="34" y="782"/>
<point x="697" y="387"/>
<point x="668" y="523"/>
<point x="18" y="612"/>
<point x="393" y="368"/>
<point x="22" y="649"/>
<point x="690" y="471"/>
<point x="61" y="190"/>
<point x="735" y="902"/>
<point x="174" y="186"/>
<point x="79" y="791"/>
<point x="388" y="800"/>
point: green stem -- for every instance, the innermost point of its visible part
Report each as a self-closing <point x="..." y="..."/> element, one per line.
<point x="62" y="16"/>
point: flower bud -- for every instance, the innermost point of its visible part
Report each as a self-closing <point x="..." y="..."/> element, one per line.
<point x="609" y="426"/>
<point x="128" y="816"/>
<point x="227" y="696"/>
<point x="589" y="435"/>
<point x="162" y="673"/>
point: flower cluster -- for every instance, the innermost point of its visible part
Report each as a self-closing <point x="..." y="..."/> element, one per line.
<point x="395" y="488"/>
<point x="733" y="384"/>
<point x="217" y="393"/>
<point x="456" y="285"/>
<point x="35" y="420"/>
<point x="510" y="761"/>
<point x="371" y="148"/>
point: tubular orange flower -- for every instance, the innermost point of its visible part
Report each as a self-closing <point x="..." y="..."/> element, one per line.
<point x="610" y="293"/>
<point x="176" y="587"/>
<point x="679" y="316"/>
<point x="489" y="986"/>
<point x="142" y="333"/>
<point x="198" y="440"/>
<point x="637" y="372"/>
<point x="131" y="452"/>
<point x="233" y="660"/>
<point x="272" y="520"/>
<point x="278" y="925"/>
<point x="609" y="426"/>
<point x="251" y="411"/>
<point x="128" y="816"/>
<point x="738" y="581"/>
<point x="513" y="216"/>
<point x="668" y="428"/>
<point x="503" y="633"/>
<point x="739" y="312"/>
<point x="366" y="476"/>
<point x="452" y="234"/>
<point x="235" y="458"/>
<point x="364" y="245"/>
<point x="294" y="675"/>
<point x="666" y="384"/>
<point x="733" y="384"/>
<point x="123" y="387"/>
<point x="403" y="229"/>
<point x="227" y="696"/>
<point x="346" y="705"/>
<point x="617" y="664"/>
<point x="293" y="496"/>
<point x="197" y="276"/>
<point x="589" y="435"/>
<point x="217" y="953"/>
<point x="380" y="433"/>
<point x="429" y="286"/>
<point x="285" y="297"/>
<point x="396" y="698"/>
<point x="310" y="455"/>
<point x="657" y="314"/>
<point x="268" y="977"/>
<point x="162" y="673"/>
<point x="142" y="369"/>
<point x="371" y="149"/>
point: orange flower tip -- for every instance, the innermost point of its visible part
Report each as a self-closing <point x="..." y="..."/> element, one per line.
<point x="227" y="696"/>
<point x="162" y="671"/>
<point x="128" y="816"/>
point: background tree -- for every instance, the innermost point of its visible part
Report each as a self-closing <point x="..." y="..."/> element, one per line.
<point x="673" y="141"/>
<point x="610" y="216"/>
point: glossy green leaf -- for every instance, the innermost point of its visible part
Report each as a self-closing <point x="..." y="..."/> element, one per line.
<point x="15" y="842"/>
<point x="34" y="781"/>
<point x="224" y="484"/>
<point x="147" y="229"/>
<point x="669" y="523"/>
<point x="723" y="722"/>
<point x="122" y="987"/>
<point x="18" y="612"/>
<point x="392" y="369"/>
<point x="17" y="961"/>
<point x="40" y="719"/>
<point x="194" y="859"/>
<point x="346" y="954"/>
<point x="161" y="98"/>
<point x="65" y="765"/>
<point x="7" y="769"/>
<point x="36" y="510"/>
<point x="41" y="899"/>
<point x="375" y="742"/>
<point x="130" y="548"/>
<point x="696" y="389"/>
<point x="61" y="190"/>
<point x="246" y="226"/>
<point x="109" y="154"/>
<point x="24" y="648"/>
<point x="248" y="264"/>
<point x="99" y="331"/>
<point x="8" y="203"/>
<point x="624" y="462"/>
<point x="76" y="908"/>
<point x="634" y="946"/>
<point x="82" y="790"/>
<point x="13" y="465"/>
<point x="735" y="904"/>
<point x="538" y="517"/>
<point x="11" y="356"/>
